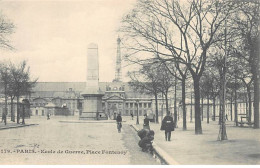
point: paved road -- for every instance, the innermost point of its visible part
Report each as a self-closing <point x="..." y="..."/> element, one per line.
<point x="54" y="142"/>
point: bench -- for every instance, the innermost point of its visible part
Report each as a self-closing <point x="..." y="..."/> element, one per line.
<point x="241" y="124"/>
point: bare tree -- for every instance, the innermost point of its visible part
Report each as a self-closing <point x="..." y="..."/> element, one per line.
<point x="186" y="30"/>
<point x="146" y="81"/>
<point x="5" y="78"/>
<point x="6" y="28"/>
<point x="23" y="83"/>
<point x="246" y="24"/>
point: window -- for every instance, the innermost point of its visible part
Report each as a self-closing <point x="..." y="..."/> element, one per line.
<point x="140" y="112"/>
<point x="126" y="112"/>
<point x="140" y="105"/>
<point x="80" y="105"/>
<point x="131" y="111"/>
<point x="126" y="105"/>
<point x="149" y="105"/>
<point x="42" y="112"/>
<point x="131" y="105"/>
<point x="145" y="105"/>
<point x="36" y="112"/>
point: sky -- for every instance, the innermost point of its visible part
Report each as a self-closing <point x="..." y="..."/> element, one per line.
<point x="53" y="36"/>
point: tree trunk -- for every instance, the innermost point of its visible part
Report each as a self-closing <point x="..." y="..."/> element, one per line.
<point x="23" y="122"/>
<point x="156" y="108"/>
<point x="191" y="107"/>
<point x="202" y="104"/>
<point x="175" y="103"/>
<point x="236" y="107"/>
<point x="231" y="106"/>
<point x="256" y="100"/>
<point x="214" y="108"/>
<point x="166" y="102"/>
<point x="219" y="112"/>
<point x="250" y="105"/>
<point x="208" y="109"/>
<point x="246" y="104"/>
<point x="198" y="128"/>
<point x="12" y="110"/>
<point x="18" y="112"/>
<point x="183" y="104"/>
<point x="256" y="77"/>
<point x="5" y="111"/>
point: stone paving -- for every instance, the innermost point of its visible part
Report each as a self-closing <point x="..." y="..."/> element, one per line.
<point x="186" y="148"/>
<point x="54" y="142"/>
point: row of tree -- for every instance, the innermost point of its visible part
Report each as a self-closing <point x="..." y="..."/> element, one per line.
<point x="15" y="82"/>
<point x="214" y="43"/>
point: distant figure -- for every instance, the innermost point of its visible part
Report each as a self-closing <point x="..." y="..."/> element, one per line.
<point x="168" y="126"/>
<point x="4" y="118"/>
<point x="146" y="122"/>
<point x="48" y="116"/>
<point x="226" y="117"/>
<point x="132" y="116"/>
<point x="119" y="122"/>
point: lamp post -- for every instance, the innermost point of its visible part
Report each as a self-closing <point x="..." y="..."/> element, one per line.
<point x="137" y="113"/>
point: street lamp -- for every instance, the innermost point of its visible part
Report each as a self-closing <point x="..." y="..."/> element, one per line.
<point x="137" y="114"/>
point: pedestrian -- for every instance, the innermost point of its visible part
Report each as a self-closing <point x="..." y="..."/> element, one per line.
<point x="132" y="116"/>
<point x="146" y="122"/>
<point x="4" y="117"/>
<point x="146" y="136"/>
<point x="119" y="122"/>
<point x="168" y="126"/>
<point x="48" y="116"/>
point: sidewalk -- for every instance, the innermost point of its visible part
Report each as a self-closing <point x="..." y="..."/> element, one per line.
<point x="11" y="125"/>
<point x="186" y="148"/>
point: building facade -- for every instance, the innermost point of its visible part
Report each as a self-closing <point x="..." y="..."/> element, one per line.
<point x="118" y="98"/>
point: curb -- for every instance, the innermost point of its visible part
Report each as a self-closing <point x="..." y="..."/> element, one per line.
<point x="160" y="152"/>
<point x="17" y="126"/>
<point x="100" y="121"/>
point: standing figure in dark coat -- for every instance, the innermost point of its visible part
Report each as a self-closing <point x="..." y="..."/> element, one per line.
<point x="119" y="122"/>
<point x="146" y="122"/>
<point x="168" y="126"/>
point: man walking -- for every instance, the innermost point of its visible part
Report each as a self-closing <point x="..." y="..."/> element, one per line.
<point x="119" y="122"/>
<point x="168" y="126"/>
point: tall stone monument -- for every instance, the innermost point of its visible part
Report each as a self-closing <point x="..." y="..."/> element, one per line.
<point x="92" y="104"/>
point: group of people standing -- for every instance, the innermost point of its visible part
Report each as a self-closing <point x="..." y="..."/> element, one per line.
<point x="167" y="125"/>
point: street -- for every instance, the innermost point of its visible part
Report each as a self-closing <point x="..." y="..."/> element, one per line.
<point x="54" y="142"/>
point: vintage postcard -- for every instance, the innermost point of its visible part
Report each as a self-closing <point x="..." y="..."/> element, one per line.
<point x="133" y="82"/>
